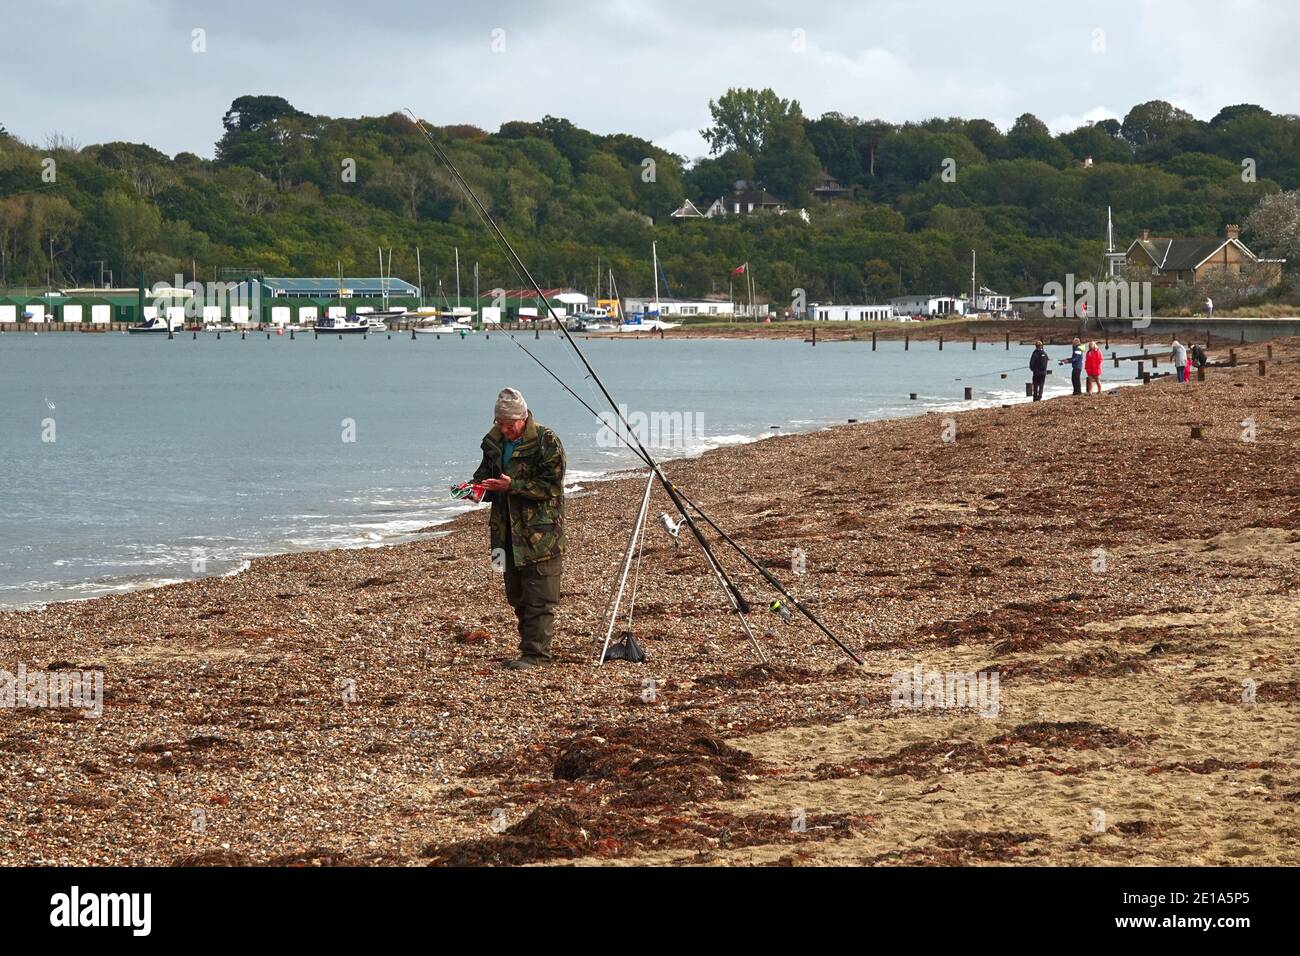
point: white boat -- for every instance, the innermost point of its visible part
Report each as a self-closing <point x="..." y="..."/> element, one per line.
<point x="349" y="325"/>
<point x="649" y="321"/>
<point x="435" y="328"/>
<point x="155" y="325"/>
<point x="433" y="321"/>
<point x="219" y="327"/>
<point x="646" y="323"/>
<point x="595" y="319"/>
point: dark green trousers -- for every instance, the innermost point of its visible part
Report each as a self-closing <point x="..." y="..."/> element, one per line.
<point x="534" y="592"/>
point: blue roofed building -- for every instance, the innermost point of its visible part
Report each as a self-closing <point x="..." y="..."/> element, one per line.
<point x="349" y="287"/>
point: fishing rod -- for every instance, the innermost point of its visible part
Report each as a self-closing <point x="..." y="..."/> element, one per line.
<point x="767" y="575"/>
<point x="1001" y="371"/>
<point x="729" y="589"/>
<point x="678" y="497"/>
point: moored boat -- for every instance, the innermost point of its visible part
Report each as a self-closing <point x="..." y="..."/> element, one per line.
<point x="155" y="325"/>
<point x="349" y="324"/>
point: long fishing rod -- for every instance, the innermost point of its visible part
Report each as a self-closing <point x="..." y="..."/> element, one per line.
<point x="798" y="605"/>
<point x="1000" y="371"/>
<point x="730" y="590"/>
<point x="772" y="580"/>
<point x="675" y="494"/>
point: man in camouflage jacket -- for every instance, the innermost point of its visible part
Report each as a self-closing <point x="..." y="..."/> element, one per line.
<point x="523" y="474"/>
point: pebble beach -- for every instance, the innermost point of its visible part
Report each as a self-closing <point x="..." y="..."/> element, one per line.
<point x="1135" y="590"/>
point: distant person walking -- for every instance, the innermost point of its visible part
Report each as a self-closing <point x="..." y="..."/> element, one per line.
<point x="1179" y="355"/>
<point x="1038" y="363"/>
<point x="1076" y="366"/>
<point x="1092" y="364"/>
<point x="1209" y="307"/>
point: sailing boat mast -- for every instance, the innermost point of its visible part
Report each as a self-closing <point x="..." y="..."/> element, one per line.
<point x="457" y="279"/>
<point x="654" y="252"/>
<point x="419" y="275"/>
<point x="749" y="293"/>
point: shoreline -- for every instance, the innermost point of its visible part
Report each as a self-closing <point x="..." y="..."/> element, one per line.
<point x="350" y="702"/>
<point x="444" y="526"/>
<point x="993" y="330"/>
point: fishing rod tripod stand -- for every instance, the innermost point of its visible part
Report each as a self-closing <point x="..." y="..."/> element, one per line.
<point x="636" y="548"/>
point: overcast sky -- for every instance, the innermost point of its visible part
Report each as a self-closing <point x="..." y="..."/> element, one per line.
<point x="127" y="70"/>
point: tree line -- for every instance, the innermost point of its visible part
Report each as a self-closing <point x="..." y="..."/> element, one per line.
<point x="296" y="194"/>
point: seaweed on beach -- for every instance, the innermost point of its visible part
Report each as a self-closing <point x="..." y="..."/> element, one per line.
<point x="1012" y="749"/>
<point x="662" y="766"/>
<point x="1102" y="662"/>
<point x="759" y="675"/>
<point x="1012" y="628"/>
<point x="964" y="847"/>
<point x="1233" y="691"/>
<point x="1215" y="765"/>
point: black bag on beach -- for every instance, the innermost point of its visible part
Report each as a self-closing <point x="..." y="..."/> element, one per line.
<point x="625" y="649"/>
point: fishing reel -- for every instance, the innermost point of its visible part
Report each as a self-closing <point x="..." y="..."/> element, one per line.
<point x="673" y="528"/>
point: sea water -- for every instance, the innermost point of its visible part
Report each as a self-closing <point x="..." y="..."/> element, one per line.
<point x="130" y="461"/>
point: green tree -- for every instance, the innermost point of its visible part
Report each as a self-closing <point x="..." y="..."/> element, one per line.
<point x="248" y="114"/>
<point x="742" y="119"/>
<point x="1099" y="142"/>
<point x="713" y="177"/>
<point x="1154" y="121"/>
<point x="787" y="165"/>
<point x="1029" y="138"/>
<point x="125" y="225"/>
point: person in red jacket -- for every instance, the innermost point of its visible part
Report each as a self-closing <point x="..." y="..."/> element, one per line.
<point x="1092" y="367"/>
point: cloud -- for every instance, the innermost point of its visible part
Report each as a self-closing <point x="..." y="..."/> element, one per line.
<point x="649" y="67"/>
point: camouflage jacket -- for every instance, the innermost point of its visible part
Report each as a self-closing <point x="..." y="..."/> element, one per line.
<point x="534" y="505"/>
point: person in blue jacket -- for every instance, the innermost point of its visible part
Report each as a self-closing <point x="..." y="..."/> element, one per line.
<point x="1076" y="366"/>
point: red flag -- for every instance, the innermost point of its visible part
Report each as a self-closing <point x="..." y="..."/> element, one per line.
<point x="739" y="270"/>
